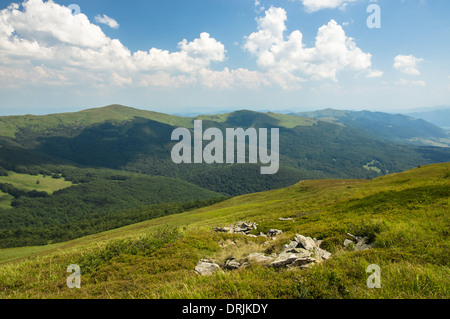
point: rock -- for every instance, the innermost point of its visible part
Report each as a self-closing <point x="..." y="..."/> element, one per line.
<point x="259" y="258"/>
<point x="284" y="259"/>
<point x="361" y="243"/>
<point x="274" y="232"/>
<point x="285" y="219"/>
<point x="321" y="253"/>
<point x="306" y="242"/>
<point x="318" y="242"/>
<point x="299" y="251"/>
<point x="302" y="252"/>
<point x="262" y="234"/>
<point x="232" y="264"/>
<point x="222" y="229"/>
<point x="291" y="245"/>
<point x="251" y="235"/>
<point x="302" y="262"/>
<point x="239" y="228"/>
<point x="206" y="267"/>
<point x="348" y="242"/>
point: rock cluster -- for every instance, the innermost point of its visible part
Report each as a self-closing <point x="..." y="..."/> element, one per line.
<point x="240" y="228"/>
<point x="358" y="243"/>
<point x="245" y="228"/>
<point x="301" y="252"/>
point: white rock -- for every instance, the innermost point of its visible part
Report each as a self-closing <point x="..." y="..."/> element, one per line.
<point x="206" y="267"/>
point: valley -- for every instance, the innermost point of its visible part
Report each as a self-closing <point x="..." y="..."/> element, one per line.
<point x="98" y="189"/>
<point x="405" y="215"/>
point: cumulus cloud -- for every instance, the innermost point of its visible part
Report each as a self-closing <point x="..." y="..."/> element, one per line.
<point x="47" y="35"/>
<point x="407" y="64"/>
<point x="333" y="50"/>
<point x="110" y="22"/>
<point x="316" y="5"/>
<point x="43" y="43"/>
<point x="191" y="57"/>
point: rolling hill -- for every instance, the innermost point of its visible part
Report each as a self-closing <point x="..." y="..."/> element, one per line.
<point x="405" y="215"/>
<point x="118" y="160"/>
<point x="439" y="117"/>
<point x="390" y="127"/>
<point x="124" y="138"/>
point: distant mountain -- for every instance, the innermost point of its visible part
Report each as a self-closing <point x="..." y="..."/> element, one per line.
<point x="124" y="138"/>
<point x="391" y="127"/>
<point x="439" y="117"/>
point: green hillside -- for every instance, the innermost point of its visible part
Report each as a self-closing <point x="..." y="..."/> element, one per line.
<point x="72" y="123"/>
<point x="71" y="202"/>
<point x="390" y="127"/>
<point x="123" y="138"/>
<point x="404" y="215"/>
<point x="118" y="159"/>
<point x="40" y="182"/>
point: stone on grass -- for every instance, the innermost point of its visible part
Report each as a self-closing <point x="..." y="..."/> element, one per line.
<point x="206" y="267"/>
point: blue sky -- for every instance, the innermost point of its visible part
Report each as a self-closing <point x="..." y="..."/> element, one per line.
<point x="213" y="55"/>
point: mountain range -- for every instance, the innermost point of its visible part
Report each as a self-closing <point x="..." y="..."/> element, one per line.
<point x="118" y="160"/>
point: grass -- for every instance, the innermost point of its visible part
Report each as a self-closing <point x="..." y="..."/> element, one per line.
<point x="39" y="182"/>
<point x="372" y="167"/>
<point x="5" y="200"/>
<point x="404" y="214"/>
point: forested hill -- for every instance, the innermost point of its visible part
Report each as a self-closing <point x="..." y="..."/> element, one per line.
<point x="391" y="127"/>
<point x="125" y="138"/>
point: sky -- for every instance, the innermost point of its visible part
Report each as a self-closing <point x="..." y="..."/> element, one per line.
<point x="207" y="56"/>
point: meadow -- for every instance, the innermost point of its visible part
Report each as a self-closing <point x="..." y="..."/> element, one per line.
<point x="405" y="215"/>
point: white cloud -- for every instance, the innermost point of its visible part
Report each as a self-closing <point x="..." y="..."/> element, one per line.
<point x="258" y="7"/>
<point x="374" y="74"/>
<point x="43" y="43"/>
<point x="333" y="50"/>
<point x="110" y="22"/>
<point x="407" y="82"/>
<point x="316" y="5"/>
<point x="407" y="64"/>
<point x="47" y="34"/>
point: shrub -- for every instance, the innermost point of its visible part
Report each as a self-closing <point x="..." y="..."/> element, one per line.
<point x="145" y="245"/>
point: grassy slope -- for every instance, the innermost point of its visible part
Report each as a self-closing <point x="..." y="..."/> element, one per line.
<point x="5" y="200"/>
<point x="28" y="183"/>
<point x="405" y="213"/>
<point x="46" y="124"/>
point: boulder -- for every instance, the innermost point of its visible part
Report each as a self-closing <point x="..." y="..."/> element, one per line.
<point x="238" y="228"/>
<point x="284" y="259"/>
<point x="285" y="219"/>
<point x="321" y="254"/>
<point x="303" y="262"/>
<point x="307" y="242"/>
<point x="302" y="252"/>
<point x="259" y="258"/>
<point x="206" y="267"/>
<point x="348" y="243"/>
<point x="232" y="264"/>
<point x="361" y="243"/>
<point x="274" y="232"/>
